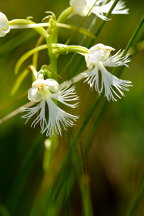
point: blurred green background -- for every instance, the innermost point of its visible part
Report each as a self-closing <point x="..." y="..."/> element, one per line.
<point x="116" y="159"/>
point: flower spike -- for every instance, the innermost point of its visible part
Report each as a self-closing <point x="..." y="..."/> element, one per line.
<point x="45" y="92"/>
<point x="99" y="78"/>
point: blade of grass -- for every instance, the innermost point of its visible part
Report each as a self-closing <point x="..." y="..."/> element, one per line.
<point x="19" y="80"/>
<point x="117" y="71"/>
<point x="132" y="211"/>
<point x="104" y="22"/>
<point x="15" y="112"/>
<point x="86" y="196"/>
<point x="19" y="182"/>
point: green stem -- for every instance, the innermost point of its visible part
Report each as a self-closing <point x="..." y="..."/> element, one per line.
<point x="84" y="181"/>
<point x="59" y="23"/>
<point x="134" y="206"/>
<point x="86" y="196"/>
<point x="53" y="38"/>
<point x="34" y="72"/>
<point x="84" y="124"/>
<point x="36" y="55"/>
<point x="63" y="16"/>
<point x="134" y="35"/>
<point x="51" y="145"/>
<point x="59" y="47"/>
<point x="20" y="180"/>
<point x="39" y="29"/>
<point x="52" y="56"/>
<point x="108" y="15"/>
<point x="117" y="71"/>
<point x="27" y="55"/>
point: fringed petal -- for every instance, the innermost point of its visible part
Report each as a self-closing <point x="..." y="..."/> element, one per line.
<point x="92" y="78"/>
<point x="111" y="84"/>
<point x="105" y="6"/>
<point x="98" y="12"/>
<point x="107" y="83"/>
<point x="117" y="60"/>
<point x="65" y="95"/>
<point x="58" y="119"/>
<point x="41" y="115"/>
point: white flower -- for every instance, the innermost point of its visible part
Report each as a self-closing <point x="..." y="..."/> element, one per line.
<point x="99" y="78"/>
<point x="4" y="25"/>
<point x="50" y="116"/>
<point x="98" y="7"/>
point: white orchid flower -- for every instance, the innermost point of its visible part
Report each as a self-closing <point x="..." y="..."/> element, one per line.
<point x="50" y="116"/>
<point x="4" y="25"/>
<point x="97" y="75"/>
<point x="97" y="7"/>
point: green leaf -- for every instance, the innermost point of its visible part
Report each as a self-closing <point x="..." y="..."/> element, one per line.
<point x="26" y="56"/>
<point x="75" y="28"/>
<point x="19" y="80"/>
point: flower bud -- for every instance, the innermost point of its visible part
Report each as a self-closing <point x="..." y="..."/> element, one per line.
<point x="4" y="25"/>
<point x="34" y="95"/>
<point x="52" y="85"/>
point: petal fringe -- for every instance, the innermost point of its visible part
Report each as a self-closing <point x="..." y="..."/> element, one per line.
<point x="109" y="83"/>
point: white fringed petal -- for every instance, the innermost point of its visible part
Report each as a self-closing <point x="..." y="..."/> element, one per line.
<point x="96" y="10"/>
<point x="4" y="25"/>
<point x="41" y="118"/>
<point x="120" y="8"/>
<point x="107" y="83"/>
<point x="56" y="119"/>
<point x="92" y="78"/>
<point x="65" y="95"/>
<point x="111" y="84"/>
<point x="98" y="7"/>
<point x="31" y="112"/>
<point x="117" y="60"/>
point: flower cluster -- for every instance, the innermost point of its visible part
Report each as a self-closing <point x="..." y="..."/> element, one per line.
<point x="51" y="97"/>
